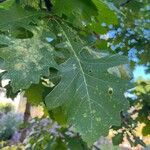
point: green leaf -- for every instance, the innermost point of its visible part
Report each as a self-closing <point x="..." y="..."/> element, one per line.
<point x="76" y="143"/>
<point x="117" y="139"/>
<point x="34" y="93"/>
<point x="76" y="10"/>
<point x="4" y="41"/>
<point x="7" y="4"/>
<point x="9" y="92"/>
<point x="57" y="144"/>
<point x="110" y="18"/>
<point x="16" y="16"/>
<point x="81" y="12"/>
<point x="26" y="60"/>
<point x="58" y="115"/>
<point x="145" y="130"/>
<point x="90" y="97"/>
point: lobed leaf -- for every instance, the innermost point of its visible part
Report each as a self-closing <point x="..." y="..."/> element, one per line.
<point x="26" y="60"/>
<point x="16" y="16"/>
<point x="83" y="12"/>
<point x="90" y="97"/>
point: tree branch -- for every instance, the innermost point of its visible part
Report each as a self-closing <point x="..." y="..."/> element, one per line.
<point x="123" y="4"/>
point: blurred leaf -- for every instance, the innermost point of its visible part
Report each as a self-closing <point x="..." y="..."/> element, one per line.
<point x="118" y="139"/>
<point x="9" y="91"/>
<point x="146" y="129"/>
<point x="34" y="93"/>
<point x="76" y="143"/>
<point x="58" y="115"/>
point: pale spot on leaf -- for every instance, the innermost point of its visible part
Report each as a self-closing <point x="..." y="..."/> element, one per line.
<point x="98" y="119"/>
<point x="110" y="91"/>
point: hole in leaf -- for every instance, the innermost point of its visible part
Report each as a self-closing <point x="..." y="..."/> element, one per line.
<point x="49" y="39"/>
<point x="110" y="91"/>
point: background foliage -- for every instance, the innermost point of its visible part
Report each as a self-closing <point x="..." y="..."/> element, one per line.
<point x="71" y="57"/>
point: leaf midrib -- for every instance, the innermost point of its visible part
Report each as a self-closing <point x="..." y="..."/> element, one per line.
<point x="82" y="72"/>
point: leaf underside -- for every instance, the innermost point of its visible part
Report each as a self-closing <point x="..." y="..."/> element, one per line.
<point x="26" y="60"/>
<point x="90" y="97"/>
<point x="17" y="17"/>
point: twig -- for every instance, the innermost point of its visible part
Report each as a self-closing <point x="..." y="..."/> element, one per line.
<point x="123" y="4"/>
<point x="97" y="148"/>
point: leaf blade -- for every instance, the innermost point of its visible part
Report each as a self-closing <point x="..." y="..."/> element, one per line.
<point x="84" y="90"/>
<point x="26" y="60"/>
